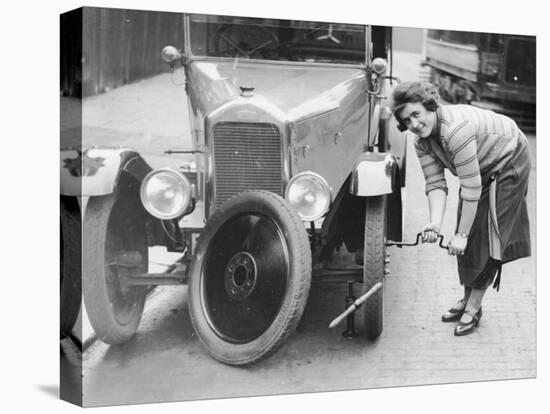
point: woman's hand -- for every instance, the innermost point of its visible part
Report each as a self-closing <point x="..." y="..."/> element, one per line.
<point x="430" y="232"/>
<point x="457" y="245"/>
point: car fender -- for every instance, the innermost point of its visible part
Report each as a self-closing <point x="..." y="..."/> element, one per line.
<point x="97" y="171"/>
<point x="373" y="173"/>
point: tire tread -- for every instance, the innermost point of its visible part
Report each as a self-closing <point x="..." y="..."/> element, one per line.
<point x="374" y="251"/>
<point x="95" y="228"/>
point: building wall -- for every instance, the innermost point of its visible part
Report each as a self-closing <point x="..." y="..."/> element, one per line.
<point x="105" y="48"/>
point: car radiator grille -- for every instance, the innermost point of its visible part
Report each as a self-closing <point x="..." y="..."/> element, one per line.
<point x="247" y="156"/>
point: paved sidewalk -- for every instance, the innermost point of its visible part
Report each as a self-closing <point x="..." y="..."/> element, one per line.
<point x="149" y="116"/>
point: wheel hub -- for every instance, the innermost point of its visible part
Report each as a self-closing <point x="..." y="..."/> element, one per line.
<point x="240" y="275"/>
<point x="244" y="277"/>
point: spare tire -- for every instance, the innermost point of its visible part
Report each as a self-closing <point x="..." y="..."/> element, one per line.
<point x="249" y="278"/>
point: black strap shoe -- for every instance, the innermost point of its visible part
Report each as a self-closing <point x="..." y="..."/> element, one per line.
<point x="455" y="313"/>
<point x="466" y="328"/>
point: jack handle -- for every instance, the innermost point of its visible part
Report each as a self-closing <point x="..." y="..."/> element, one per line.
<point x="401" y="244"/>
<point x="358" y="302"/>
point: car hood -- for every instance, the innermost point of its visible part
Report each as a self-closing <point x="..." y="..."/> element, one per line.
<point x="297" y="90"/>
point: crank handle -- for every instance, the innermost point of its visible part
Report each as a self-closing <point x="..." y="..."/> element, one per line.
<point x="417" y="241"/>
<point x="440" y="237"/>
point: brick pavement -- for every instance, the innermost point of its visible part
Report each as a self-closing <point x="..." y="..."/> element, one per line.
<point x="424" y="283"/>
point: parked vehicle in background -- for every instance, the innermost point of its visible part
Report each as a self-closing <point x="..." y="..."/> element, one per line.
<point x="489" y="70"/>
<point x="294" y="157"/>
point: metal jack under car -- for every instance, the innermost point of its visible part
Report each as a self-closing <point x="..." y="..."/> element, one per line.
<point x="294" y="157"/>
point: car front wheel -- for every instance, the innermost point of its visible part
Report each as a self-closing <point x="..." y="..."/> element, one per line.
<point x="374" y="256"/>
<point x="115" y="245"/>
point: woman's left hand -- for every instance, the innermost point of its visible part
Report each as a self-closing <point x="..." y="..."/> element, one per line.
<point x="457" y="245"/>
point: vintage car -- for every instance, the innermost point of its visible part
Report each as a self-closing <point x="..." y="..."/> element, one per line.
<point x="294" y="157"/>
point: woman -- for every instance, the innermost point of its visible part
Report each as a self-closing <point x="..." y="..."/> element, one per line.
<point x="490" y="156"/>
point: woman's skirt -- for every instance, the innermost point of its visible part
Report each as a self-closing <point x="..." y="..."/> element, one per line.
<point x="477" y="267"/>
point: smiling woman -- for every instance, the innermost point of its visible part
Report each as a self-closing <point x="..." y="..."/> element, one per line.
<point x="418" y="119"/>
<point x="415" y="107"/>
<point x="490" y="156"/>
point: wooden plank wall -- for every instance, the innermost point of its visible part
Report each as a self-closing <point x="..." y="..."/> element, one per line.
<point x="71" y="53"/>
<point x="117" y="47"/>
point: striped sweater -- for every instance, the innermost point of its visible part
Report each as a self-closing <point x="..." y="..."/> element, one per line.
<point x="472" y="143"/>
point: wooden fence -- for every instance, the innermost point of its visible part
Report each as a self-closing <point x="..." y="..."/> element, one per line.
<point x="105" y="48"/>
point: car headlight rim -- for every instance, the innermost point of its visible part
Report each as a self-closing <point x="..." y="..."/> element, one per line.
<point x="324" y="195"/>
<point x="181" y="187"/>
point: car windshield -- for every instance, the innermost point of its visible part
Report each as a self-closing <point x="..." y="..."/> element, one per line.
<point x="270" y="39"/>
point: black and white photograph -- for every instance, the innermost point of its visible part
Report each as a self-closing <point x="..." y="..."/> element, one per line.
<point x="257" y="205"/>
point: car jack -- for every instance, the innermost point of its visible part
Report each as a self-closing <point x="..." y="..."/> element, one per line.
<point x="354" y="305"/>
<point x="350" y="319"/>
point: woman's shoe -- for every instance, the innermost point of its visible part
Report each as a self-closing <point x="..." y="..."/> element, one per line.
<point x="455" y="313"/>
<point x="465" y="328"/>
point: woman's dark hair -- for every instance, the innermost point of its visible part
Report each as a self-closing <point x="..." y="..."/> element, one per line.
<point x="413" y="92"/>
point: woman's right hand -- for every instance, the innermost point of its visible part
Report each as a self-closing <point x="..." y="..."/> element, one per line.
<point x="430" y="233"/>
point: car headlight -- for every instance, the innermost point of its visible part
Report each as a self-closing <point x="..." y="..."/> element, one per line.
<point x="309" y="194"/>
<point x="170" y="54"/>
<point x="379" y="66"/>
<point x="165" y="193"/>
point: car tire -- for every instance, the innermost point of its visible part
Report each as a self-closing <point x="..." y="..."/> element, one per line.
<point x="249" y="278"/>
<point x="114" y="232"/>
<point x="71" y="265"/>
<point x="374" y="255"/>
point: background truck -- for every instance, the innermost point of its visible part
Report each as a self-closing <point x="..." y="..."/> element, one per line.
<point x="489" y="70"/>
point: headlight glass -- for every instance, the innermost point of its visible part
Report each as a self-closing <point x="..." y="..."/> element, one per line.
<point x="170" y="54"/>
<point x="309" y="194"/>
<point x="165" y="193"/>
